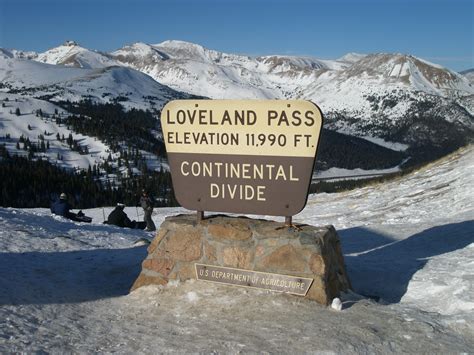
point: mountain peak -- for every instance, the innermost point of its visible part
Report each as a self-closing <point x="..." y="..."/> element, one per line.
<point x="351" y="57"/>
<point x="178" y="43"/>
<point x="70" y="53"/>
<point x="70" y="43"/>
<point x="183" y="48"/>
<point x="138" y="51"/>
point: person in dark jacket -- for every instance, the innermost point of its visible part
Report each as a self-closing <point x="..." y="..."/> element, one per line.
<point x="119" y="218"/>
<point x="146" y="202"/>
<point x="62" y="208"/>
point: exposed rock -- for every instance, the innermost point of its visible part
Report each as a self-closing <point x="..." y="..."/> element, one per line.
<point x="249" y="244"/>
<point x="230" y="230"/>
<point x="285" y="257"/>
<point x="184" y="244"/>
<point x="317" y="265"/>
<point x="210" y="252"/>
<point x="237" y="257"/>
<point x="159" y="265"/>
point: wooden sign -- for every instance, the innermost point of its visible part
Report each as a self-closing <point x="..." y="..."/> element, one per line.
<point x="242" y="156"/>
<point x="248" y="278"/>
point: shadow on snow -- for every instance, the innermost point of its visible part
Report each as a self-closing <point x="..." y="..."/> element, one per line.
<point x="68" y="277"/>
<point x="383" y="267"/>
<point x="378" y="266"/>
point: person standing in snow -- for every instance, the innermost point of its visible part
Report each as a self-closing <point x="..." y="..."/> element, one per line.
<point x="146" y="202"/>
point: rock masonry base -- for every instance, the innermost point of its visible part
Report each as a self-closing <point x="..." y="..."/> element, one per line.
<point x="250" y="244"/>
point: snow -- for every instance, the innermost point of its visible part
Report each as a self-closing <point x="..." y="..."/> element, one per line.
<point x="30" y="126"/>
<point x="341" y="85"/>
<point x="405" y="225"/>
<point x="354" y="86"/>
<point x="336" y="304"/>
<point x="102" y="84"/>
<point x="351" y="57"/>
<point x="71" y="54"/>
<point x="16" y="126"/>
<point x="408" y="244"/>
<point x="408" y="248"/>
<point x="390" y="145"/>
<point x="353" y="174"/>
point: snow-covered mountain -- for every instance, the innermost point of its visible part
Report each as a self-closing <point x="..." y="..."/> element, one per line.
<point x="379" y="95"/>
<point x="33" y="96"/>
<point x="71" y="54"/>
<point x="14" y="53"/>
<point x="195" y="69"/>
<point x="392" y="97"/>
<point x="376" y="70"/>
<point x="104" y="84"/>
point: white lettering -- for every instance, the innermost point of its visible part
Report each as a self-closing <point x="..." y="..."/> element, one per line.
<point x="182" y="168"/>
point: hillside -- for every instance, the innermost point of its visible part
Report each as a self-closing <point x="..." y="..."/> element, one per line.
<point x="65" y="285"/>
<point x="391" y="96"/>
<point x="51" y="101"/>
<point x="106" y="84"/>
<point x="101" y="120"/>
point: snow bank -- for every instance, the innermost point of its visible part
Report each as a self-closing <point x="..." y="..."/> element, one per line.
<point x="408" y="244"/>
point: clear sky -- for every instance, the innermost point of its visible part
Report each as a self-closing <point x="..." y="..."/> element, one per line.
<point x="440" y="31"/>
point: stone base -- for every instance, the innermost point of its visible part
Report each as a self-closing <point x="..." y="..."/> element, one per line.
<point x="244" y="243"/>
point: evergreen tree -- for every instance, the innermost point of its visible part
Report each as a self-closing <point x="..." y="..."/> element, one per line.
<point x="70" y="140"/>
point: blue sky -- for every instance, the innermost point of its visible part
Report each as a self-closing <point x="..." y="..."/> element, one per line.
<point x="437" y="30"/>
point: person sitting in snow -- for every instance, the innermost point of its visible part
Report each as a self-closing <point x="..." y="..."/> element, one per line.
<point x="62" y="208"/>
<point x="119" y="218"/>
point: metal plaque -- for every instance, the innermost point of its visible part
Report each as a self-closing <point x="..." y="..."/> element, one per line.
<point x="242" y="156"/>
<point x="247" y="278"/>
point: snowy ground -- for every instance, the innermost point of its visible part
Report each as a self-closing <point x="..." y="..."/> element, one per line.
<point x="409" y="250"/>
<point x="30" y="126"/>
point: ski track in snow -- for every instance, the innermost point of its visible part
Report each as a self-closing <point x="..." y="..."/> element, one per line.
<point x="408" y="247"/>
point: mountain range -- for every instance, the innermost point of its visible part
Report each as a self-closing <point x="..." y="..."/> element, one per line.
<point x="382" y="97"/>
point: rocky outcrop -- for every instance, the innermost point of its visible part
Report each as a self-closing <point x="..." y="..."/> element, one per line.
<point x="250" y="244"/>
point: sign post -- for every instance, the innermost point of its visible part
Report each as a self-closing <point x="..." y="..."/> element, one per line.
<point x="242" y="156"/>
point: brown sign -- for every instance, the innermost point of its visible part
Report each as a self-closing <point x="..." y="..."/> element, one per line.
<point x="242" y="156"/>
<point x="247" y="278"/>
